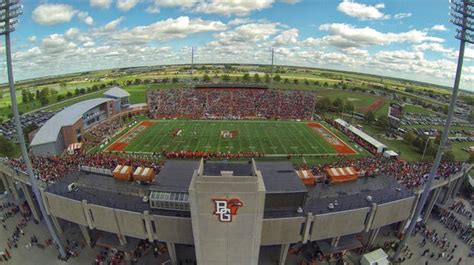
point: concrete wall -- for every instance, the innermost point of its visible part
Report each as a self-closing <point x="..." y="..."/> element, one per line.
<point x="338" y="224"/>
<point x="65" y="208"/>
<point x="281" y="231"/>
<point x="131" y="224"/>
<point x="392" y="212"/>
<point x="173" y="229"/>
<point x="227" y="243"/>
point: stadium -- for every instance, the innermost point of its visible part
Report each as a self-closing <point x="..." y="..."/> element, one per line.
<point x="206" y="173"/>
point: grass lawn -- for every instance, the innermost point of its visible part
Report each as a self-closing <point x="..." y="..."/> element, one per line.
<point x="359" y="100"/>
<point x="269" y="137"/>
<point x="416" y="109"/>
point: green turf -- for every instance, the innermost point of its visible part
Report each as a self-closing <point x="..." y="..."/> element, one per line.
<point x="269" y="137"/>
<point x="359" y="100"/>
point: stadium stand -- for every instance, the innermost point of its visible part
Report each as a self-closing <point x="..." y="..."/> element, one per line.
<point x="231" y="103"/>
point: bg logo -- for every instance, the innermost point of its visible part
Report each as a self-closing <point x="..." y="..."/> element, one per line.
<point x="225" y="209"/>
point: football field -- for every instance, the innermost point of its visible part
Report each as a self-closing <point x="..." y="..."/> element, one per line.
<point x="268" y="137"/>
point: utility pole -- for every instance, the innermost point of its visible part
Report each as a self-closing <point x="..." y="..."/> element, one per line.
<point x="10" y="10"/>
<point x="462" y="13"/>
<point x="192" y="66"/>
<point x="271" y="69"/>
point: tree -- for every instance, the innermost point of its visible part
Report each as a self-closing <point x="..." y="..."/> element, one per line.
<point x="370" y="117"/>
<point x="306" y="82"/>
<point x="246" y="77"/>
<point x="77" y="91"/>
<point x="137" y="81"/>
<point x="206" y="78"/>
<point x="471" y="158"/>
<point x="24" y="95"/>
<point x="287" y="81"/>
<point x="338" y="104"/>
<point x="7" y="148"/>
<point x="267" y="78"/>
<point x="409" y="137"/>
<point x="323" y="105"/>
<point x="382" y="121"/>
<point x="225" y="78"/>
<point x="174" y="80"/>
<point x="44" y="101"/>
<point x="295" y="81"/>
<point x="59" y="97"/>
<point x="448" y="156"/>
<point x="256" y="78"/>
<point x="349" y="107"/>
<point x="69" y="94"/>
<point x="277" y="78"/>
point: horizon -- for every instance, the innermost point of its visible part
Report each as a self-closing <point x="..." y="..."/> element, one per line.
<point x="393" y="39"/>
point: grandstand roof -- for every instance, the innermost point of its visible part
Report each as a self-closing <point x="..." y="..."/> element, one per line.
<point x="116" y="92"/>
<point x="361" y="134"/>
<point x="49" y="132"/>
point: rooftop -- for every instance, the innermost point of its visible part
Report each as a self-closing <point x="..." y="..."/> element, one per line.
<point x="353" y="195"/>
<point x="238" y="169"/>
<point x="116" y="92"/>
<point x="49" y="132"/>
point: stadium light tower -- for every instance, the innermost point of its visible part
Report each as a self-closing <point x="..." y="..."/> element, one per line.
<point x="10" y="10"/>
<point x="271" y="69"/>
<point x="462" y="16"/>
<point x="192" y="66"/>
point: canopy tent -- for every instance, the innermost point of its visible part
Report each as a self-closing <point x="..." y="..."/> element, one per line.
<point x="307" y="177"/>
<point x="342" y="174"/>
<point x="73" y="147"/>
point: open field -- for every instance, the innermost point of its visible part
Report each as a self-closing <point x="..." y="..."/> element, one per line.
<point x="268" y="137"/>
<point x="359" y="100"/>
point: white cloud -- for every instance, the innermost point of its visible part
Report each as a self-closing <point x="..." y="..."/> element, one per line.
<point x="344" y="35"/>
<point x="436" y="47"/>
<point x="287" y="37"/>
<point x="232" y="7"/>
<point x="402" y="15"/>
<point x="32" y="38"/>
<point x="51" y="14"/>
<point x="240" y="21"/>
<point x="362" y="11"/>
<point x="125" y="5"/>
<point x="85" y="18"/>
<point x="100" y="3"/>
<point x="153" y="9"/>
<point x="168" y="29"/>
<point x="245" y="34"/>
<point x="88" y="44"/>
<point x="71" y="33"/>
<point x="56" y="43"/>
<point x="175" y="3"/>
<point x="113" y="24"/>
<point x="439" y="28"/>
<point x="291" y="2"/>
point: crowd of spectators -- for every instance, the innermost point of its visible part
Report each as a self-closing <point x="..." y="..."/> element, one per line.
<point x="410" y="174"/>
<point x="51" y="169"/>
<point x="361" y="142"/>
<point x="453" y="223"/>
<point x="207" y="155"/>
<point x="460" y="208"/>
<point x="231" y="103"/>
<point x="103" y="131"/>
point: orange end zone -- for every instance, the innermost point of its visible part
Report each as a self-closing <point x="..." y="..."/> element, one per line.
<point x="146" y="123"/>
<point x="118" y="146"/>
<point x="334" y="141"/>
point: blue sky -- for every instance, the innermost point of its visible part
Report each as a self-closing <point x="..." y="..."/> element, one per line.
<point x="400" y="38"/>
